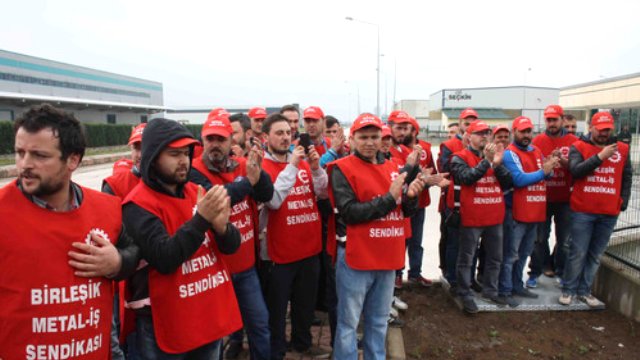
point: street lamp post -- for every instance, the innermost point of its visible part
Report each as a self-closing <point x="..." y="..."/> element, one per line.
<point x="378" y="62"/>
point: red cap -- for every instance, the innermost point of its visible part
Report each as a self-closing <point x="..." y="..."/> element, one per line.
<point x="522" y="123"/>
<point x="182" y="142"/>
<point x="501" y="127"/>
<point x="312" y="112"/>
<point x="553" y="111"/>
<point x="468" y="112"/>
<point x="217" y="125"/>
<point x="602" y="120"/>
<point x="136" y="134"/>
<point x="386" y="131"/>
<point x="399" y="117"/>
<point x="257" y="113"/>
<point x="477" y="126"/>
<point x="414" y="123"/>
<point x="364" y="120"/>
<point x="216" y="112"/>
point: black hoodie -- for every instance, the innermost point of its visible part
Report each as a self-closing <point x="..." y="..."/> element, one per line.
<point x="166" y="253"/>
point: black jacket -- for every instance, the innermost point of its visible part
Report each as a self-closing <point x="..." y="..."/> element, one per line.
<point x="464" y="174"/>
<point x="166" y="253"/>
<point x="580" y="167"/>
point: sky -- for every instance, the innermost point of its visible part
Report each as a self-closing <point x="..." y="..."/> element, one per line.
<point x="271" y="53"/>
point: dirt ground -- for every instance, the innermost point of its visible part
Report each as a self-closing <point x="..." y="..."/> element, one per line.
<point x="437" y="329"/>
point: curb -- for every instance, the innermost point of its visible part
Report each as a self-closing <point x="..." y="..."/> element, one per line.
<point x="395" y="344"/>
<point x="10" y="171"/>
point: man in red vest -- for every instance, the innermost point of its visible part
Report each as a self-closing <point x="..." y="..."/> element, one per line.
<point x="528" y="168"/>
<point x="294" y="238"/>
<point x="48" y="307"/>
<point x="240" y="142"/>
<point x="257" y="116"/>
<point x="602" y="175"/>
<point x="368" y="193"/>
<point x="313" y="118"/>
<point x="554" y="141"/>
<point x="247" y="185"/>
<point x="292" y="114"/>
<point x="479" y="173"/>
<point x="182" y="293"/>
<point x="570" y="123"/>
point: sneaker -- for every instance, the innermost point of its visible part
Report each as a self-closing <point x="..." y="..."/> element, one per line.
<point x="549" y="273"/>
<point x="395" y="322"/>
<point x="475" y="286"/>
<point x="498" y="300"/>
<point x="315" y="352"/>
<point x="393" y="312"/>
<point x="233" y="350"/>
<point x="398" y="283"/>
<point x="589" y="300"/>
<point x="421" y="281"/>
<point x="469" y="305"/>
<point x="532" y="282"/>
<point x="399" y="304"/>
<point x="565" y="299"/>
<point x="509" y="300"/>
<point x="525" y="293"/>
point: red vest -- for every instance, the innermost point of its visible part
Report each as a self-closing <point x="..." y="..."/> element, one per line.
<point x="294" y="230"/>
<point x="481" y="204"/>
<point x="399" y="154"/>
<point x="122" y="182"/>
<point x="377" y="244"/>
<point x="599" y="192"/>
<point x="559" y="186"/>
<point x="529" y="202"/>
<point x="426" y="161"/>
<point x="400" y="162"/>
<point x="196" y="304"/>
<point x="454" y="145"/>
<point x="47" y="312"/>
<point x="243" y="216"/>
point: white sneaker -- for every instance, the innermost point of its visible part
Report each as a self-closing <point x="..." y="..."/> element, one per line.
<point x="565" y="299"/>
<point x="399" y="304"/>
<point x="393" y="312"/>
<point x="590" y="300"/>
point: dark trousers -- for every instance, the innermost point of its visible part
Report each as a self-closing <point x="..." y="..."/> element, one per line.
<point x="330" y="295"/>
<point x="442" y="245"/>
<point x="467" y="245"/>
<point x="541" y="257"/>
<point x="296" y="282"/>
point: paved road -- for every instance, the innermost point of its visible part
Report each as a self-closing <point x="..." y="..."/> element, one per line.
<point x="90" y="176"/>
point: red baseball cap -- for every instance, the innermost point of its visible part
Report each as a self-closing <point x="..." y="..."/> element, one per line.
<point x="182" y="142"/>
<point x="414" y="123"/>
<point x="467" y="113"/>
<point x="386" y="131"/>
<point x="399" y="117"/>
<point x="217" y="125"/>
<point x="602" y="120"/>
<point x="477" y="126"/>
<point x="136" y="134"/>
<point x="501" y="127"/>
<point x="522" y="123"/>
<point x="553" y="111"/>
<point x="364" y="120"/>
<point x="216" y="112"/>
<point x="257" y="113"/>
<point x="312" y="112"/>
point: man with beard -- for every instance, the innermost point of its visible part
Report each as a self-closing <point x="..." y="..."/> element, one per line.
<point x="293" y="237"/>
<point x="240" y="143"/>
<point x="555" y="141"/>
<point x="292" y="114"/>
<point x="368" y="193"/>
<point x="528" y="170"/>
<point x="479" y="173"/>
<point x="334" y="132"/>
<point x="58" y="220"/>
<point x="182" y="296"/>
<point x="314" y="126"/>
<point x="448" y="246"/>
<point x="570" y="123"/>
<point x="602" y="175"/>
<point x="257" y="116"/>
<point x="250" y="185"/>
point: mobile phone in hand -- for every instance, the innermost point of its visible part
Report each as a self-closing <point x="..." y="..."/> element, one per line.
<point x="305" y="142"/>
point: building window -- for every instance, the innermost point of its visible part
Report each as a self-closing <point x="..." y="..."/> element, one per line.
<point x="143" y="119"/>
<point x="111" y="118"/>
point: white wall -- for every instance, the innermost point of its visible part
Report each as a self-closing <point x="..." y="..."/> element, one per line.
<point x="504" y="98"/>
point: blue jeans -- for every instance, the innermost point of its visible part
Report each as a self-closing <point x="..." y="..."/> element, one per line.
<point x="362" y="292"/>
<point x="414" y="245"/>
<point x="116" y="350"/>
<point x="255" y="316"/>
<point x="542" y="258"/>
<point x="518" y="248"/>
<point x="590" y="234"/>
<point x="149" y="350"/>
